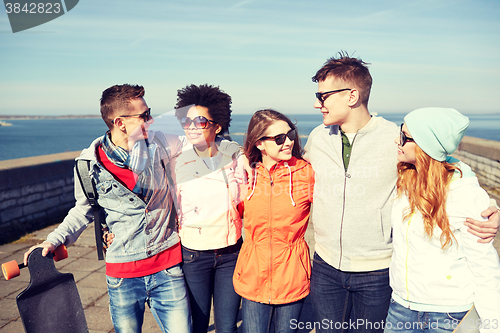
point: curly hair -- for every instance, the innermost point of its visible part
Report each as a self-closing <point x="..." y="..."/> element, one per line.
<point x="257" y="127"/>
<point x="352" y="71"/>
<point x="213" y="98"/>
<point x="117" y="98"/>
<point x="426" y="185"/>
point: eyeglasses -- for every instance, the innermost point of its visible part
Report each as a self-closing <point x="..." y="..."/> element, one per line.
<point x="146" y="115"/>
<point x="199" y="122"/>
<point x="403" y="138"/>
<point x="280" y="138"/>
<point x="322" y="100"/>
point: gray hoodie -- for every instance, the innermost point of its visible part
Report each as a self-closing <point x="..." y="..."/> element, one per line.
<point x="351" y="211"/>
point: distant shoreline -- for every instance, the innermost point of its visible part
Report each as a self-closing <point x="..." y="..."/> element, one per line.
<point x="7" y="117"/>
<point x="93" y="116"/>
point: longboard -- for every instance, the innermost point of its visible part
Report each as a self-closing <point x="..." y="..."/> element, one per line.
<point x="51" y="302"/>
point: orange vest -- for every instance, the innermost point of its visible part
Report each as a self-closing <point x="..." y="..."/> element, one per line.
<point x="273" y="265"/>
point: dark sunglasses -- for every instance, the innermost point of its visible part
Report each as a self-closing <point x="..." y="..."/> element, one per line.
<point x="199" y="122"/>
<point x="322" y="100"/>
<point x="280" y="138"/>
<point x="146" y="115"/>
<point x="403" y="138"/>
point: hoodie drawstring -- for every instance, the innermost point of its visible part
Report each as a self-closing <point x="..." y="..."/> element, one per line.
<point x="254" y="173"/>
<point x="290" y="183"/>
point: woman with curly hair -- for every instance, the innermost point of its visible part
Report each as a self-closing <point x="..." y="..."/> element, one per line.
<point x="438" y="269"/>
<point x="209" y="176"/>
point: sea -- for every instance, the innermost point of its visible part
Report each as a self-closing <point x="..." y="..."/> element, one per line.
<point x="35" y="137"/>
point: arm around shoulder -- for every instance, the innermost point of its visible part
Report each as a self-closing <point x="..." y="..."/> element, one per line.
<point x="482" y="260"/>
<point x="485" y="230"/>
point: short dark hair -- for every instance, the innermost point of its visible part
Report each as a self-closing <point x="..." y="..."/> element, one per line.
<point x="353" y="71"/>
<point x="118" y="97"/>
<point x="257" y="126"/>
<point x="213" y="98"/>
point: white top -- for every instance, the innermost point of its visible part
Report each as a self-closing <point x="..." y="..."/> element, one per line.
<point x="424" y="277"/>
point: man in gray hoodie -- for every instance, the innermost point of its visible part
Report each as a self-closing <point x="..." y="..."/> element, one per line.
<point x="354" y="158"/>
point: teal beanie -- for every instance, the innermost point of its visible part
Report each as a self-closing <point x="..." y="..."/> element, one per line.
<point x="437" y="131"/>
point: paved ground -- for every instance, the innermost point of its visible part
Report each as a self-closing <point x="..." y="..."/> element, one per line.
<point x="89" y="275"/>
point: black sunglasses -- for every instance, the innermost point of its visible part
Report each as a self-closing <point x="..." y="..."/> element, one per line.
<point x="280" y="138"/>
<point x="322" y="100"/>
<point x="199" y="122"/>
<point x="146" y="115"/>
<point x="403" y="138"/>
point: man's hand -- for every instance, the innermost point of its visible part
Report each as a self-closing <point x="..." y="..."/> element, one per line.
<point x="47" y="247"/>
<point x="486" y="231"/>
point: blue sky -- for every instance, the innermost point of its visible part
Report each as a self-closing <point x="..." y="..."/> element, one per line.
<point x="263" y="53"/>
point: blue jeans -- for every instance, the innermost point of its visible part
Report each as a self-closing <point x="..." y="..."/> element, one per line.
<point x="349" y="301"/>
<point x="211" y="274"/>
<point x="401" y="319"/>
<point x="165" y="292"/>
<point x="259" y="317"/>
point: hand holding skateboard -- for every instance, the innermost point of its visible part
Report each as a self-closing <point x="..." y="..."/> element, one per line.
<point x="46" y="246"/>
<point x="12" y="269"/>
<point x="48" y="286"/>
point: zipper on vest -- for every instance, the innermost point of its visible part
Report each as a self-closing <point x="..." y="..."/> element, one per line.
<point x="346" y="175"/>
<point x="342" y="219"/>
<point x="270" y="238"/>
<point x="406" y="260"/>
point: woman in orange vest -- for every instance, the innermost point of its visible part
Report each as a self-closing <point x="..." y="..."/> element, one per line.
<point x="273" y="269"/>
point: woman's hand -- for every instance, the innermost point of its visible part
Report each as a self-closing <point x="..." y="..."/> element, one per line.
<point x="107" y="238"/>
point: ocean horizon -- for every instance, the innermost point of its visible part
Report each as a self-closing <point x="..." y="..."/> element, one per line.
<point x="43" y="136"/>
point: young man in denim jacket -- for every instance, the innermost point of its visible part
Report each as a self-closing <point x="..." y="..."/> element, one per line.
<point x="128" y="166"/>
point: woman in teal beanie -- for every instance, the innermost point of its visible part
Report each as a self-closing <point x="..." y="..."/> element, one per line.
<point x="438" y="269"/>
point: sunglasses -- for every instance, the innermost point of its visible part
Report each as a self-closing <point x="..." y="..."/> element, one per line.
<point x="146" y="115"/>
<point x="199" y="122"/>
<point x="403" y="138"/>
<point x="322" y="99"/>
<point x="280" y="138"/>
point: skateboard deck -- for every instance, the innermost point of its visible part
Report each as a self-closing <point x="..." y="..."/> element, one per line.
<point x="51" y="302"/>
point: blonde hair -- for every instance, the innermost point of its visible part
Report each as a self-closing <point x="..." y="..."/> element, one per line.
<point x="426" y="185"/>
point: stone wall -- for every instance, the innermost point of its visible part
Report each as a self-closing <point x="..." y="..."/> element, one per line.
<point x="34" y="192"/>
<point x="38" y="191"/>
<point x="483" y="156"/>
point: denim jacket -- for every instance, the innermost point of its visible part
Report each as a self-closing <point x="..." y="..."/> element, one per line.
<point x="141" y="230"/>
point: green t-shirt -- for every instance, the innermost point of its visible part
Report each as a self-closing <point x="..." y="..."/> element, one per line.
<point x="346" y="148"/>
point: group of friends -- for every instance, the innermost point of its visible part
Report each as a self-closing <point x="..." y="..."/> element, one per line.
<point x="402" y="230"/>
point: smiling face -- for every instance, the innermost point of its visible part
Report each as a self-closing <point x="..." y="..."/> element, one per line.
<point x="273" y="153"/>
<point x="131" y="124"/>
<point x="201" y="137"/>
<point x="406" y="153"/>
<point x="335" y="108"/>
<point x="138" y="107"/>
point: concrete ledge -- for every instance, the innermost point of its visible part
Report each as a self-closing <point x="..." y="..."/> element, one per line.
<point x="34" y="192"/>
<point x="27" y="171"/>
<point x="36" y="160"/>
<point x="486" y="148"/>
<point x="38" y="191"/>
<point x="483" y="156"/>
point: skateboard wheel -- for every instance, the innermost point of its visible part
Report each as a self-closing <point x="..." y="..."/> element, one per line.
<point x="10" y="270"/>
<point x="60" y="253"/>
